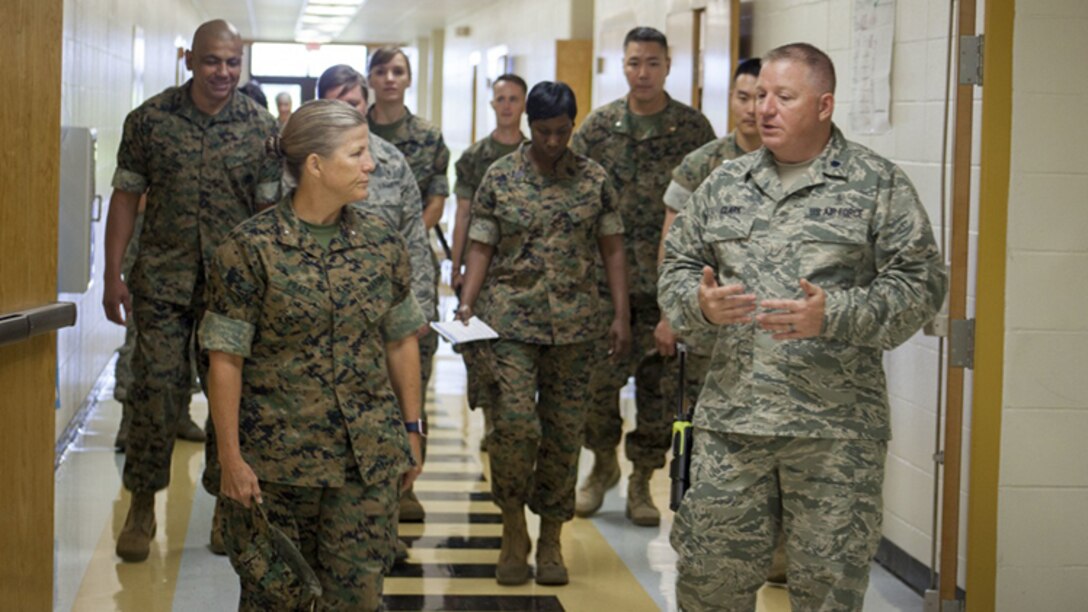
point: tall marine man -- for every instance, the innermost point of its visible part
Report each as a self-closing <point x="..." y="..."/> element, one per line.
<point x="198" y="151"/>
<point x="639" y="139"/>
<point x="807" y="259"/>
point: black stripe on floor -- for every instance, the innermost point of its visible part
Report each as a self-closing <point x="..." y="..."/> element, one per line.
<point x="483" y="603"/>
<point x="453" y="495"/>
<point x="442" y="570"/>
<point x="454" y="542"/>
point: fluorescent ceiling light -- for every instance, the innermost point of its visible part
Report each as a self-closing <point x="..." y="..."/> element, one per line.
<point x="312" y="20"/>
<point x="325" y="19"/>
<point x="330" y="10"/>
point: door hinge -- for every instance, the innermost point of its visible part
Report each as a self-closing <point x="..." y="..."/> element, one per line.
<point x="971" y="48"/>
<point x="961" y="344"/>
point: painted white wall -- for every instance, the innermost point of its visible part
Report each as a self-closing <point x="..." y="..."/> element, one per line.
<point x="914" y="142"/>
<point x="1042" y="542"/>
<point x="96" y="91"/>
<point x="528" y="28"/>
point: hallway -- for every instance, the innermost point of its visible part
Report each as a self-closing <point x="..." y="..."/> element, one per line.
<point x="451" y="566"/>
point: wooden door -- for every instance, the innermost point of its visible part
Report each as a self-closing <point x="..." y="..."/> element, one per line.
<point x="30" y="43"/>
<point x="683" y="53"/>
<point x="574" y="66"/>
<point x="721" y="39"/>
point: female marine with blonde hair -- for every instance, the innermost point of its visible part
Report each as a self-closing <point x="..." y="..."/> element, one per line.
<point x="311" y="331"/>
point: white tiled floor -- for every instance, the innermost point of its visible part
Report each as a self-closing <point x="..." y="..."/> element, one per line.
<point x="183" y="575"/>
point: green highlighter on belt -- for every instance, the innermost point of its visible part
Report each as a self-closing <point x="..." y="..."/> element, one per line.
<point x="680" y="471"/>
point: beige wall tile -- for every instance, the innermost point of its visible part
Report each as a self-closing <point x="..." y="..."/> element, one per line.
<point x="1048" y="136"/>
<point x="1047" y="212"/>
<point x="1045" y="369"/>
<point x="1044" y="448"/>
<point x="1045" y="43"/>
<point x="1051" y="291"/>
<point x="1041" y="588"/>
<point x="1042" y="527"/>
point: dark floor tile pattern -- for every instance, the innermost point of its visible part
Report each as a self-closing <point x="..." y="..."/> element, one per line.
<point x="443" y="570"/>
<point x="481" y="603"/>
<point x="453" y="495"/>
<point x="451" y="476"/>
<point x="460" y="518"/>
<point x="457" y="542"/>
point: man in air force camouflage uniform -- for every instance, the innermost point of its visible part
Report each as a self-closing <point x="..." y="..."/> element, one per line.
<point x="686" y="178"/>
<point x="638" y="139"/>
<point x="508" y="102"/>
<point x="809" y="258"/>
<point x="198" y="152"/>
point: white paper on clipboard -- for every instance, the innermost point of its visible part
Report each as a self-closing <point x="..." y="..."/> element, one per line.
<point x="456" y="332"/>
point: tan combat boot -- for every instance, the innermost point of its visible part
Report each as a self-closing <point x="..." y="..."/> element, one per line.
<point x="513" y="566"/>
<point x="604" y="476"/>
<point x="550" y="570"/>
<point x="640" y="505"/>
<point x="411" y="511"/>
<point x="134" y="542"/>
<point x="190" y="431"/>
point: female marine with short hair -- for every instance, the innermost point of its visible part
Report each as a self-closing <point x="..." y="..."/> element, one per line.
<point x="311" y="332"/>
<point x="390" y="75"/>
<point x="542" y="219"/>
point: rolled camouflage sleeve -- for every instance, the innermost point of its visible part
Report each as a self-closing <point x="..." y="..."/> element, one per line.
<point x="910" y="282"/>
<point x="235" y="293"/>
<point x="610" y="223"/>
<point x="131" y="173"/>
<point x="270" y="174"/>
<point x="405" y="317"/>
<point x="686" y="254"/>
<point x="466" y="170"/>
<point x="415" y="238"/>
<point x="440" y="184"/>
<point x="484" y="227"/>
<point x="677" y="196"/>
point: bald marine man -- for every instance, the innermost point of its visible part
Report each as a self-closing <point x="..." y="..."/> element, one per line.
<point x="198" y="152"/>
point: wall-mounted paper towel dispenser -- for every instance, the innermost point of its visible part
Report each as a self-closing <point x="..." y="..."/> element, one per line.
<point x="80" y="206"/>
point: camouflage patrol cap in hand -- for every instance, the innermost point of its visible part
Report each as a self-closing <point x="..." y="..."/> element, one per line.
<point x="266" y="557"/>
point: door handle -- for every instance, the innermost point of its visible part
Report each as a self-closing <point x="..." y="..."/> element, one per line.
<point x="24" y="324"/>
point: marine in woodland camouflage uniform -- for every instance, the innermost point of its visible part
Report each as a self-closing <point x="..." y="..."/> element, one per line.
<point x="319" y="423"/>
<point x="540" y="294"/>
<point x="639" y="153"/>
<point x="470" y="167"/>
<point x="394" y="197"/>
<point x="203" y="175"/>
<point x="686" y="178"/>
<point x="806" y="413"/>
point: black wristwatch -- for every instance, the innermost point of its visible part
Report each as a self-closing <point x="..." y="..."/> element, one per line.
<point x="416" y="426"/>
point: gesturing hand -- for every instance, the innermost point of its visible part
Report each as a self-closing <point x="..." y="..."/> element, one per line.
<point x="724" y="305"/>
<point x="795" y="319"/>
